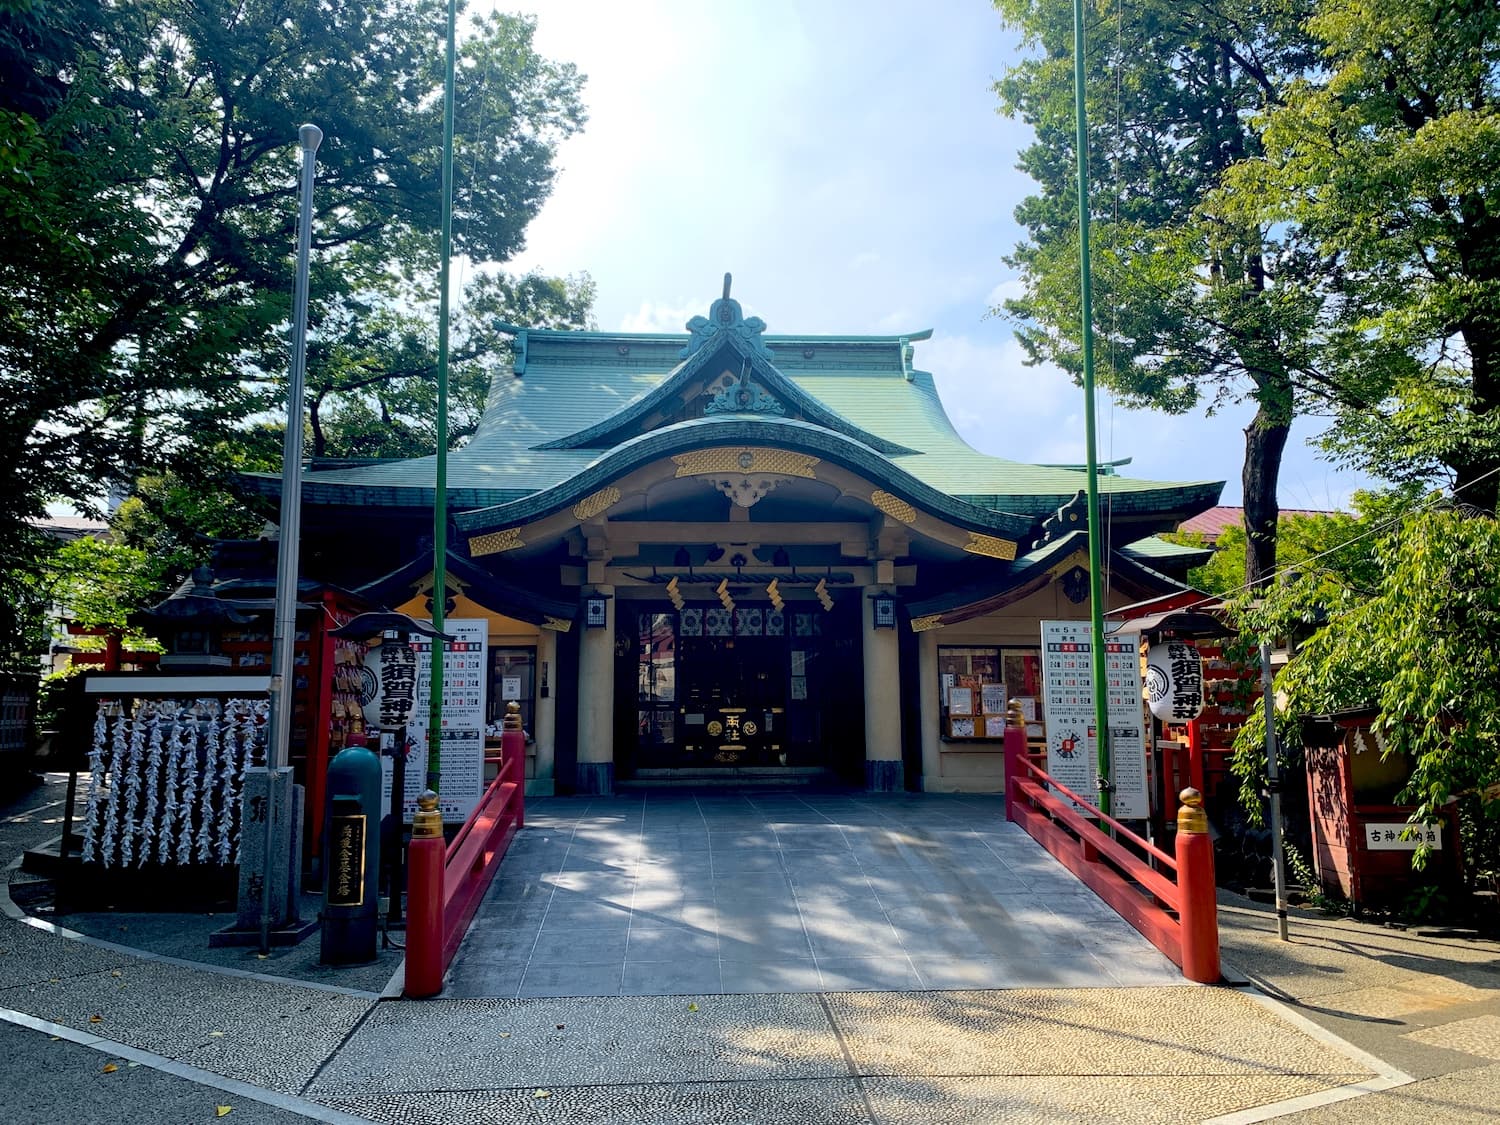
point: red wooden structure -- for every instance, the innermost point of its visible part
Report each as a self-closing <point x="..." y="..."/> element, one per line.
<point x="1357" y="826"/>
<point x="446" y="884"/>
<point x="1168" y="898"/>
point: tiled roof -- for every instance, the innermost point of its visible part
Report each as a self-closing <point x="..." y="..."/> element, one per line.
<point x="1211" y="524"/>
<point x="572" y="383"/>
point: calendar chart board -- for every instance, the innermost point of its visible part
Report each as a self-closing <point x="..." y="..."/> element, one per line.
<point x="462" y="736"/>
<point x="1068" y="704"/>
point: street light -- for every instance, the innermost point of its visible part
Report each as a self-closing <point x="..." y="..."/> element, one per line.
<point x="284" y="639"/>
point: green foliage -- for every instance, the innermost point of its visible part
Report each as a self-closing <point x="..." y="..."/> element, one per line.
<point x="1386" y="159"/>
<point x="148" y="204"/>
<point x="1331" y="542"/>
<point x="372" y="362"/>
<point x="1199" y="302"/>
<point x="1418" y="644"/>
<point x="147" y="216"/>
<point x="98" y="585"/>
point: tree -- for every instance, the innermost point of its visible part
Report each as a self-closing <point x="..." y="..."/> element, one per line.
<point x="1197" y="302"/>
<point x="1327" y="542"/>
<point x="147" y="216"/>
<point x="1388" y="161"/>
<point x="372" y="363"/>
<point x="1417" y="642"/>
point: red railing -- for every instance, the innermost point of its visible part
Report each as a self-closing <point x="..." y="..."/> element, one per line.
<point x="1168" y="898"/>
<point x="446" y="884"/>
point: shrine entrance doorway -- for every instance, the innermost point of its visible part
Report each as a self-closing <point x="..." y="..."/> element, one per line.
<point x="750" y="692"/>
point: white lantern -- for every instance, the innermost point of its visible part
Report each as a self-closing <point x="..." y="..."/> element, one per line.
<point x="1174" y="681"/>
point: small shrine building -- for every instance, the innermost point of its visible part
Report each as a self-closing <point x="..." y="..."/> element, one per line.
<point x="727" y="554"/>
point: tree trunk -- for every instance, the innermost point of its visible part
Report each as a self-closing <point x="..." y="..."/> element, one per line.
<point x="1477" y="480"/>
<point x="1265" y="439"/>
<point x="320" y="442"/>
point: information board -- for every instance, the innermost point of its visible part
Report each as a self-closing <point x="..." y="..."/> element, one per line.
<point x="1068" y="704"/>
<point x="462" y="735"/>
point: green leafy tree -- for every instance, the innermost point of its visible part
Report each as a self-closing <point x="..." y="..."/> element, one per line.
<point x="1197" y="303"/>
<point x="1387" y="159"/>
<point x="147" y="216"/>
<point x="1331" y="542"/>
<point x="372" y="365"/>
<point x="1403" y="619"/>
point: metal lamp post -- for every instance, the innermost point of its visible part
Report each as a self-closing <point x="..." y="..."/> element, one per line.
<point x="284" y="640"/>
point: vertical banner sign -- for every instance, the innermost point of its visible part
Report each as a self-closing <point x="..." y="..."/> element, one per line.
<point x="1068" y="703"/>
<point x="463" y="721"/>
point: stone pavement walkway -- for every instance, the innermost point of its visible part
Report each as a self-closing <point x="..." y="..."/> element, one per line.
<point x="709" y="891"/>
<point x="282" y="1050"/>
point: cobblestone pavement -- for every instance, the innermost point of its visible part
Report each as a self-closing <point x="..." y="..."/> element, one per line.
<point x="286" y="1050"/>
<point x="1424" y="1000"/>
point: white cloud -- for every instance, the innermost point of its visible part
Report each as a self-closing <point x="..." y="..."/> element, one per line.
<point x="867" y="189"/>
<point x="660" y="316"/>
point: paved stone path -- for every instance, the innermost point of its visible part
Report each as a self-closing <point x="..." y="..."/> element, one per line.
<point x="185" y="1039"/>
<point x="1142" y="1055"/>
<point x="663" y="893"/>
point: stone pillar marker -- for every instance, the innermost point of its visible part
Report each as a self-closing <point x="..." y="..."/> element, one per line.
<point x="882" y="666"/>
<point x="270" y="864"/>
<point x="596" y="701"/>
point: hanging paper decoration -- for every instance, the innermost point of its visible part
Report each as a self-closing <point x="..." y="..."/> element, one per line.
<point x="170" y="782"/>
<point x="187" y="750"/>
<point x="207" y="819"/>
<point x="96" y="784"/>
<point x="151" y="772"/>
<point x="131" y="772"/>
<point x="1174" y="681"/>
<point x="229" y="770"/>
<point x="110" y="833"/>
<point x="150" y="811"/>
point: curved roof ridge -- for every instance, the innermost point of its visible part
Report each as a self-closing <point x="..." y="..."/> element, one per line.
<point x="608" y="430"/>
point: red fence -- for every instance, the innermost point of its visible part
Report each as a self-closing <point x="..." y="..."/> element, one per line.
<point x="1169" y="899"/>
<point x="446" y="884"/>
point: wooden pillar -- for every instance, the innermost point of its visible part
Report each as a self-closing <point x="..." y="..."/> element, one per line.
<point x="545" y="722"/>
<point x="596" y="701"/>
<point x="931" y="716"/>
<point x="882" y="665"/>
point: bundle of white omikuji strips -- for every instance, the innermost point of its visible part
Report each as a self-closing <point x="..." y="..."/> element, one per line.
<point x="176" y="770"/>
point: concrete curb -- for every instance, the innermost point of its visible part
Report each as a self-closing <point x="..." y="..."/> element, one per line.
<point x="231" y="1086"/>
<point x="1386" y="1077"/>
<point x="15" y="913"/>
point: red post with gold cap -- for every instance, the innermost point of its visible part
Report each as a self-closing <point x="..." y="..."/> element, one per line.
<point x="513" y="757"/>
<point x="424" y="900"/>
<point x="1199" y="908"/>
<point x="1015" y="753"/>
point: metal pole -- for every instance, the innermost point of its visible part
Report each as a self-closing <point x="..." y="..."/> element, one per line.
<point x="1273" y="784"/>
<point x="284" y="639"/>
<point x="1086" y="325"/>
<point x="440" y="491"/>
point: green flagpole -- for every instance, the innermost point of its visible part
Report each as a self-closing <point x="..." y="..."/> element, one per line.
<point x="440" y="492"/>
<point x="1086" y="314"/>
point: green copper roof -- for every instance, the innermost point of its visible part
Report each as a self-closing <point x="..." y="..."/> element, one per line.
<point x="575" y="387"/>
<point x="1156" y="550"/>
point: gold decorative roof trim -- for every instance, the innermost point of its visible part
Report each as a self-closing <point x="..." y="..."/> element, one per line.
<point x="496" y="541"/>
<point x="893" y="506"/>
<point x="743" y="459"/>
<point x="557" y="624"/>
<point x="990" y="547"/>
<point x="923" y="624"/>
<point x="591" y="506"/>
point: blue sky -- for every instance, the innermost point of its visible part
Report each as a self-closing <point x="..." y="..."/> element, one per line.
<point x="845" y="161"/>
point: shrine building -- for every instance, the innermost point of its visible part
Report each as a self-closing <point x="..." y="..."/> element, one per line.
<point x="730" y="555"/>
